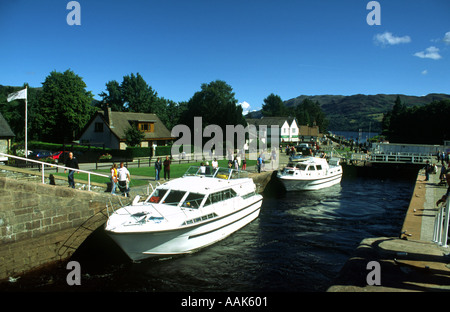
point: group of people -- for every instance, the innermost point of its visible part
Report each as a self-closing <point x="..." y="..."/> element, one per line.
<point x="444" y="175"/>
<point x="165" y="165"/>
<point x="236" y="163"/>
<point x="120" y="177"/>
<point x="432" y="168"/>
<point x="260" y="161"/>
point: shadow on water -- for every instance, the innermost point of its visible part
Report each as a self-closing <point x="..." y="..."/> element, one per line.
<point x="299" y="243"/>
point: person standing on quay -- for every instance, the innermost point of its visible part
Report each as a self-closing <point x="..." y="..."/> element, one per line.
<point x="427" y="171"/>
<point x="167" y="168"/>
<point x="444" y="197"/>
<point x="259" y="163"/>
<point x="124" y="178"/>
<point x="157" y="169"/>
<point x="113" y="178"/>
<point x="72" y="162"/>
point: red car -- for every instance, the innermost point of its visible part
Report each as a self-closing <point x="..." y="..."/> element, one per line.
<point x="59" y="155"/>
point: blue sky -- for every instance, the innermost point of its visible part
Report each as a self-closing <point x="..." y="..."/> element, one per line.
<point x="287" y="47"/>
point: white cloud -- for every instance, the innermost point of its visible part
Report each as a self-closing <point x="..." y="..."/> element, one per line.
<point x="245" y="107"/>
<point x="431" y="53"/>
<point x="447" y="38"/>
<point x="424" y="72"/>
<point x="389" y="38"/>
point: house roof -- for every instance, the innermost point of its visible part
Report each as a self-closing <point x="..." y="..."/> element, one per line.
<point x="310" y="131"/>
<point x="270" y="121"/>
<point x="119" y="122"/>
<point x="5" y="130"/>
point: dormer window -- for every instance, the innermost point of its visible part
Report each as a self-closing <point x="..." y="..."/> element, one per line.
<point x="146" y="126"/>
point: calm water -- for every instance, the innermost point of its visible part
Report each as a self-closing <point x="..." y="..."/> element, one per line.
<point x="299" y="243"/>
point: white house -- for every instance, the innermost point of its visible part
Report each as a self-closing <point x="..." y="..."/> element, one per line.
<point x="287" y="128"/>
<point x="289" y="131"/>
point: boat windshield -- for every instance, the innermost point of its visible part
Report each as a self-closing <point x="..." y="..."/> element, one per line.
<point x="301" y="166"/>
<point x="220" y="173"/>
<point x="200" y="171"/>
<point x="174" y="197"/>
<point x="157" y="195"/>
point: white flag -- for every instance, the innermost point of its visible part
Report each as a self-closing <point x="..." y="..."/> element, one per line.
<point x="22" y="94"/>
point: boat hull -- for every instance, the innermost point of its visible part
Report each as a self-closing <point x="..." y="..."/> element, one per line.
<point x="298" y="184"/>
<point x="142" y="245"/>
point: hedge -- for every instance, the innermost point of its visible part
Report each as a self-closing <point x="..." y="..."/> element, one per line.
<point x="130" y="152"/>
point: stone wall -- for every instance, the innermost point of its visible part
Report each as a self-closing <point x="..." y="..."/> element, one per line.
<point x="41" y="224"/>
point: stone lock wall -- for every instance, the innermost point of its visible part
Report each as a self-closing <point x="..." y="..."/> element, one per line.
<point x="41" y="224"/>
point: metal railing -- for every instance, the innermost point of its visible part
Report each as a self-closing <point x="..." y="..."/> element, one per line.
<point x="43" y="164"/>
<point x="441" y="223"/>
<point x="400" y="157"/>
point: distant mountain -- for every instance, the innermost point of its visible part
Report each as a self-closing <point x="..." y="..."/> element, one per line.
<point x="359" y="111"/>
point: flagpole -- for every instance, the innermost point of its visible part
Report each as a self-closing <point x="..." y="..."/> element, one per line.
<point x="26" y="123"/>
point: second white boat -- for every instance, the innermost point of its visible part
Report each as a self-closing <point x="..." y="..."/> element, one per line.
<point x="311" y="173"/>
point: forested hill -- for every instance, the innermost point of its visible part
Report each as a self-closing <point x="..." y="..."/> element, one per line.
<point x="354" y="112"/>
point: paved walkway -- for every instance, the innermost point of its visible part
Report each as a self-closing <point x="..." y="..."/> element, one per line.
<point x="411" y="262"/>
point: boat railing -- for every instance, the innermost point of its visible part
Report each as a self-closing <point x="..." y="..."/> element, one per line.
<point x="44" y="164"/>
<point x="219" y="173"/>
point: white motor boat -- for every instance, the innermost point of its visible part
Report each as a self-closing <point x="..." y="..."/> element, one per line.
<point x="186" y="214"/>
<point x="310" y="173"/>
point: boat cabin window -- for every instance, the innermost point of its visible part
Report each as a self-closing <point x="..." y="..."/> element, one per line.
<point x="157" y="195"/>
<point x="220" y="196"/>
<point x="319" y="167"/>
<point x="311" y="168"/>
<point x="193" y="200"/>
<point x="174" y="197"/>
<point x="301" y="166"/>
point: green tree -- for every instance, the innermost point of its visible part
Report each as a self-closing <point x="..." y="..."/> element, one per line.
<point x="114" y="96"/>
<point x="64" y="106"/>
<point x="135" y="95"/>
<point x="274" y="106"/>
<point x="395" y="120"/>
<point x="133" y="137"/>
<point x="309" y="113"/>
<point x="216" y="104"/>
<point x="173" y="113"/>
<point x="138" y="96"/>
<point x="418" y="125"/>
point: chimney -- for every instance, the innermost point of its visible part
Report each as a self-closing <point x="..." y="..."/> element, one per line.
<point x="107" y="113"/>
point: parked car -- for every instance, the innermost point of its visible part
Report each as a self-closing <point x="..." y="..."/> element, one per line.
<point x="40" y="154"/>
<point x="60" y="155"/>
